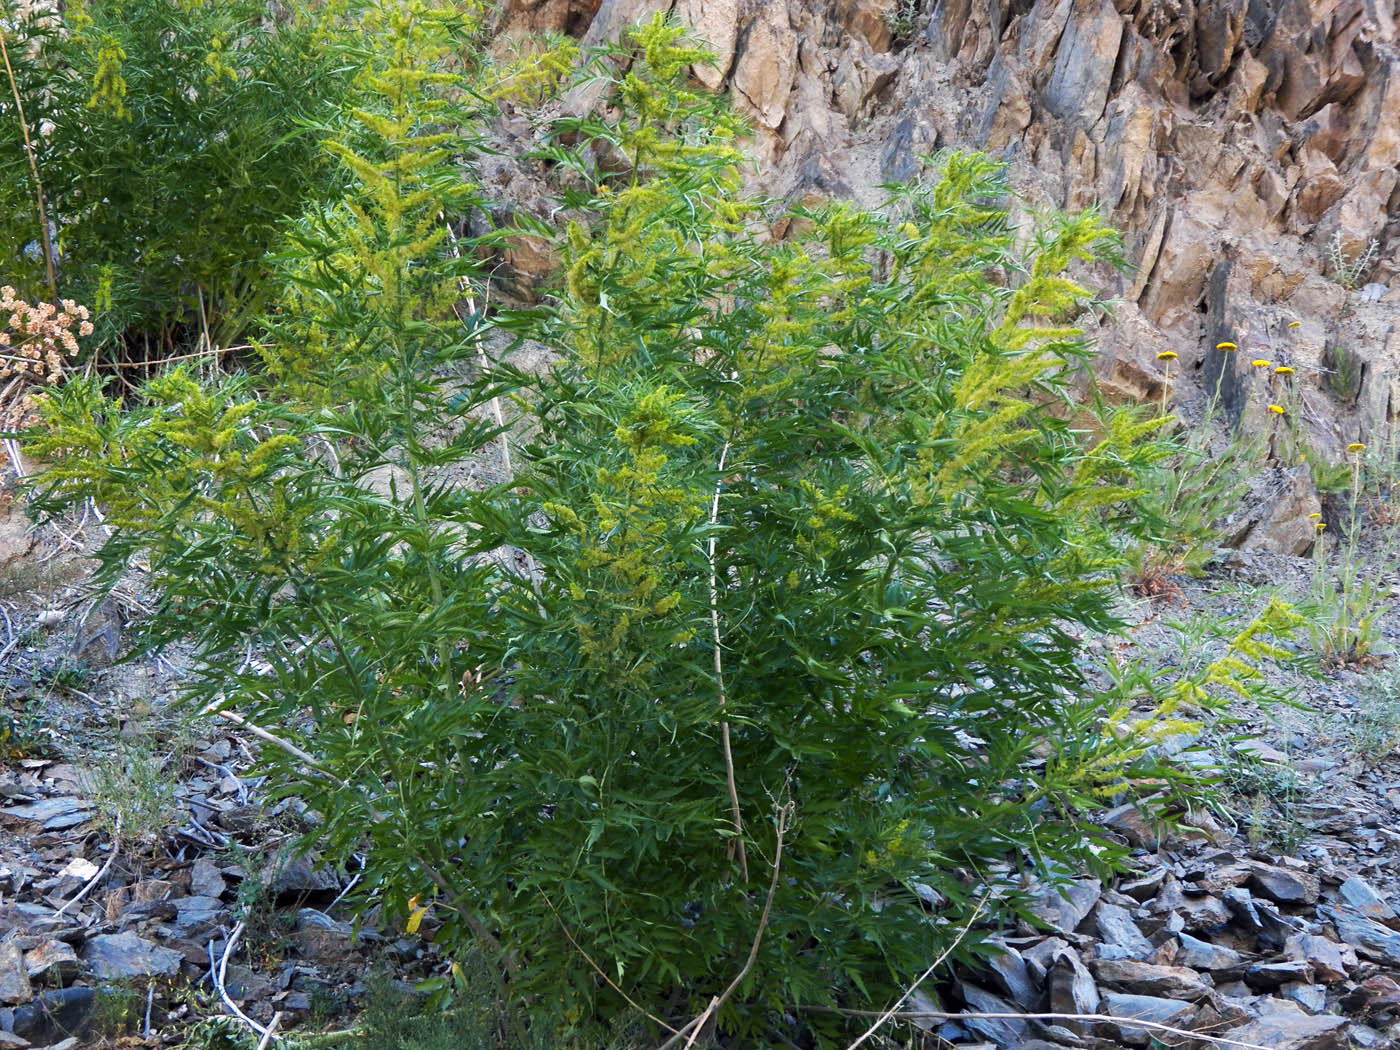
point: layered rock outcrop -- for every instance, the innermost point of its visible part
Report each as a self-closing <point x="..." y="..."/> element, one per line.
<point x="1249" y="150"/>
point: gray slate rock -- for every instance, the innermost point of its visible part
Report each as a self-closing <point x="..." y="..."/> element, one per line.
<point x="122" y="956"/>
<point x="1362" y="898"/>
<point x="1289" y="1032"/>
<point x="1276" y="974"/>
<point x="1366" y="936"/>
<point x="1002" y="1032"/>
<point x="1011" y="978"/>
<point x="206" y="880"/>
<point x="1070" y="985"/>
<point x="1145" y="1008"/>
<point x="1325" y="958"/>
<point x="14" y="978"/>
<point x="198" y="911"/>
<point x="52" y="814"/>
<point x="1311" y="997"/>
<point x="1262" y="918"/>
<point x="1065" y="906"/>
<point x="1202" y="955"/>
<point x="1283" y="886"/>
<point x="1116" y="927"/>
<point x="52" y="962"/>
<point x="1143" y="978"/>
<point x="55" y="1014"/>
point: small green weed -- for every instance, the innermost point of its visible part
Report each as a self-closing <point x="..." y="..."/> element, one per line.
<point x="136" y="791"/>
<point x="1349" y="269"/>
<point x="902" y="19"/>
<point x="1376" y="729"/>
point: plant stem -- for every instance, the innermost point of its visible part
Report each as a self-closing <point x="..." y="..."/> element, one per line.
<point x="737" y="842"/>
<point x="34" y="171"/>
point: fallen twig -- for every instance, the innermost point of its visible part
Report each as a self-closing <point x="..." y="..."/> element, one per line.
<point x="271" y="1028"/>
<point x="216" y="974"/>
<point x="101" y="873"/>
<point x="263" y="734"/>
<point x="893" y="1010"/>
<point x="599" y="970"/>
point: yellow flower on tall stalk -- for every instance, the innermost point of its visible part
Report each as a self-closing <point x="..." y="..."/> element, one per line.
<point x="1168" y="356"/>
<point x="1226" y="347"/>
<point x="1283" y="370"/>
<point x="1276" y="409"/>
<point x="1259" y="362"/>
<point x="1355" y="447"/>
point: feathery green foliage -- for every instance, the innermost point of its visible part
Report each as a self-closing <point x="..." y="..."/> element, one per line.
<point x="785" y="600"/>
<point x="172" y="141"/>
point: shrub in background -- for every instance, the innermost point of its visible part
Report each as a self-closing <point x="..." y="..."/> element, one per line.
<point x="805" y="544"/>
<point x="173" y="139"/>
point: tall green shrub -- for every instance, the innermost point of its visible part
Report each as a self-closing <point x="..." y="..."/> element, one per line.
<point x="173" y="139"/>
<point x="801" y="553"/>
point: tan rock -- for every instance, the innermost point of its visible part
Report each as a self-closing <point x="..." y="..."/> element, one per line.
<point x="869" y="19"/>
<point x="1280" y="522"/>
<point x="1078" y="87"/>
<point x="715" y="23"/>
<point x="1319" y="186"/>
<point x="764" y="68"/>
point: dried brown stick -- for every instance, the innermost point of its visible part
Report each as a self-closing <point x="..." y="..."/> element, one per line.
<point x="893" y="1010"/>
<point x="694" y="1028"/>
<point x="599" y="970"/>
<point x="737" y="842"/>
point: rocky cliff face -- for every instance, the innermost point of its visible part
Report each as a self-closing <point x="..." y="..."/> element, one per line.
<point x="1249" y="150"/>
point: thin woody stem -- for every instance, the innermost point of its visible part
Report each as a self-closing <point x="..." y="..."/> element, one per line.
<point x="34" y="172"/>
<point x="737" y="842"/>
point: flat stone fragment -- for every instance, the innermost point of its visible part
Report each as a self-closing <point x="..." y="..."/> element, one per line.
<point x="14" y="979"/>
<point x="1283" y="886"/>
<point x="1322" y="955"/>
<point x="198" y="911"/>
<point x="53" y="814"/>
<point x="1143" y="978"/>
<point x="1364" y="900"/>
<point x="1144" y="1008"/>
<point x="1065" y="906"/>
<point x="1367" y="937"/>
<point x="206" y="880"/>
<point x="121" y="956"/>
<point x="1202" y="955"/>
<point x="1145" y="888"/>
<point x="1002" y="1032"/>
<point x="1294" y="1032"/>
<point x="1311" y="997"/>
<point x="52" y="962"/>
<point x="1070" y="985"/>
<point x="1274" y="974"/>
<point x="1009" y="974"/>
<point x="1116" y="927"/>
<point x="55" y="1014"/>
